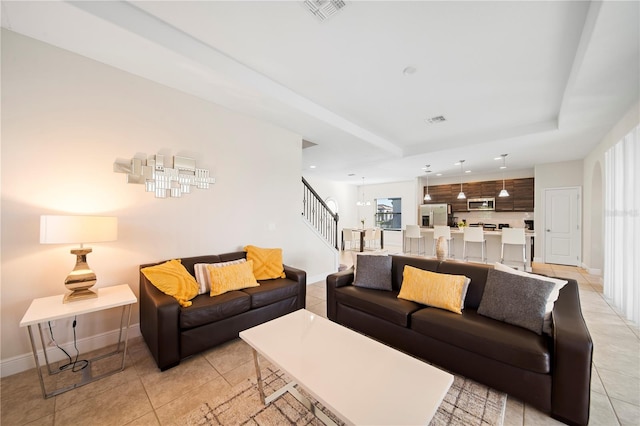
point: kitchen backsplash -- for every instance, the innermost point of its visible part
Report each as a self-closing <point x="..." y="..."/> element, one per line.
<point x="514" y="219"/>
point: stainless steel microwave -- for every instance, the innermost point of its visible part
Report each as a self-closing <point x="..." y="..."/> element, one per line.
<point x="474" y="204"/>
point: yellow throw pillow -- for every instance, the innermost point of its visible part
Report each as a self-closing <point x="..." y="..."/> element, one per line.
<point x="267" y="262"/>
<point x="231" y="277"/>
<point x="174" y="280"/>
<point x="429" y="288"/>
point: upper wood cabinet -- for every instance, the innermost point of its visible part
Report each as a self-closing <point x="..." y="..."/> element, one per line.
<point x="521" y="194"/>
<point x="504" y="204"/>
<point x="439" y="193"/>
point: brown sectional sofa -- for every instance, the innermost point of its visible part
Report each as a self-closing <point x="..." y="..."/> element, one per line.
<point x="552" y="373"/>
<point x="173" y="333"/>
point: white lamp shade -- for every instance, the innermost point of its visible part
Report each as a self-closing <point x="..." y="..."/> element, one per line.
<point x="77" y="229"/>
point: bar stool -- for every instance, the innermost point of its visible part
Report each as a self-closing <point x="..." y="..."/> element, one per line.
<point x="412" y="232"/>
<point x="442" y="231"/>
<point x="473" y="234"/>
<point x="514" y="236"/>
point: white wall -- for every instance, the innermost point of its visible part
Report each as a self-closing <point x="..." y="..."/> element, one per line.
<point x="65" y="120"/>
<point x="551" y="175"/>
<point x="593" y="194"/>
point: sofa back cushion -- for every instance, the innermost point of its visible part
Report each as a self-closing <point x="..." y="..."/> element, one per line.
<point x="189" y="262"/>
<point x="477" y="273"/>
<point x="397" y="267"/>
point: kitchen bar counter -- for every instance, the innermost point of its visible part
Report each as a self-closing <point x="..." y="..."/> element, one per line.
<point x="512" y="253"/>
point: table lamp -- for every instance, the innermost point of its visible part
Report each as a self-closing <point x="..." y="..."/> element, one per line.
<point x="74" y="230"/>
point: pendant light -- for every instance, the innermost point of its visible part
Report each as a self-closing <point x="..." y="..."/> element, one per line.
<point x="504" y="192"/>
<point x="461" y="195"/>
<point x="427" y="197"/>
<point x="363" y="202"/>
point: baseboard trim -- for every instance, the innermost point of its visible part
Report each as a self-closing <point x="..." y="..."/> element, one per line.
<point x="592" y="271"/>
<point x="318" y="277"/>
<point x="24" y="362"/>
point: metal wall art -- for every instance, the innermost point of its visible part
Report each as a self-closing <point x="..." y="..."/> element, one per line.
<point x="163" y="180"/>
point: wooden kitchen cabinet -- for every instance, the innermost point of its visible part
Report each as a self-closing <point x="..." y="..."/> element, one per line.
<point x="521" y="194"/>
<point x="439" y="193"/>
<point x="504" y="204"/>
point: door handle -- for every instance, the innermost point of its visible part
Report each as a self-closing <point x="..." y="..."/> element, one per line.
<point x="548" y="230"/>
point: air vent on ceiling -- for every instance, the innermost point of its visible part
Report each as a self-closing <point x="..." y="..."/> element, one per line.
<point x="434" y="120"/>
<point x="324" y="9"/>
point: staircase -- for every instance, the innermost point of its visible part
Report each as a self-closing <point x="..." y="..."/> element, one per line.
<point x="316" y="212"/>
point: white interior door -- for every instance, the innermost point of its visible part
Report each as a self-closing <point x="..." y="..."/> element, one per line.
<point x="562" y="226"/>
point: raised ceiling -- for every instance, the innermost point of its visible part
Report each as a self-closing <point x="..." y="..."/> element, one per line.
<point x="542" y="81"/>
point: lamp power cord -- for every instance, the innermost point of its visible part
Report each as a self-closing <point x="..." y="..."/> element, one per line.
<point x="74" y="364"/>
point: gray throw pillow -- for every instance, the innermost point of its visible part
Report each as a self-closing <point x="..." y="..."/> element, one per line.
<point x="374" y="272"/>
<point x="515" y="299"/>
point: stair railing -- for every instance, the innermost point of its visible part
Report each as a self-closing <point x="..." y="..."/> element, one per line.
<point x="319" y="215"/>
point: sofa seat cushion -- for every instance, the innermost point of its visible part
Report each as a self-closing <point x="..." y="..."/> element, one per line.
<point x="493" y="339"/>
<point x="382" y="304"/>
<point x="271" y="291"/>
<point x="206" y="309"/>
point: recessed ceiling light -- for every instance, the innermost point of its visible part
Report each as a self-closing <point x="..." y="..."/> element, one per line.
<point x="456" y="164"/>
<point x="438" y="174"/>
<point x="312" y="167"/>
<point x="409" y="70"/>
<point x="467" y="171"/>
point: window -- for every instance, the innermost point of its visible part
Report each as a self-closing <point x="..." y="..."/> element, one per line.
<point x="622" y="225"/>
<point x="389" y="213"/>
<point x="332" y="204"/>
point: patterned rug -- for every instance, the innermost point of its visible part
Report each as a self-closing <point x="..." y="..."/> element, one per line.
<point x="466" y="403"/>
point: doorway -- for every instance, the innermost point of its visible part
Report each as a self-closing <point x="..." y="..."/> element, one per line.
<point x="563" y="219"/>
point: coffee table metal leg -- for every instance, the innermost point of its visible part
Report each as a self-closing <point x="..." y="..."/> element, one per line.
<point x="259" y="376"/>
<point x="289" y="387"/>
<point x="314" y="410"/>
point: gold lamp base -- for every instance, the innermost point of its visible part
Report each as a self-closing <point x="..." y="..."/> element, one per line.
<point x="81" y="279"/>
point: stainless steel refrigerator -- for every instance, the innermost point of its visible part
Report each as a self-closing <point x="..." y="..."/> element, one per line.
<point x="434" y="215"/>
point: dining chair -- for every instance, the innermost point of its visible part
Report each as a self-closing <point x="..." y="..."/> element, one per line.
<point x="370" y="238"/>
<point x="348" y="237"/>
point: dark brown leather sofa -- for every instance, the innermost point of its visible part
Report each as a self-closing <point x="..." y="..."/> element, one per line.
<point x="173" y="333"/>
<point x="552" y="373"/>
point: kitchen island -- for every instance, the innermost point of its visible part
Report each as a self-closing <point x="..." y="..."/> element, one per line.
<point x="512" y="253"/>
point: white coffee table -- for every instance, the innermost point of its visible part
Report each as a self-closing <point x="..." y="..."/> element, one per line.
<point x="360" y="380"/>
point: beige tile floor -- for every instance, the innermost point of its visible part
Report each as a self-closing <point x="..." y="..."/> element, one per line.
<point x="142" y="395"/>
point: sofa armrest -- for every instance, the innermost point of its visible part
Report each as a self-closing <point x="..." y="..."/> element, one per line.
<point x="300" y="277"/>
<point x="336" y="280"/>
<point x="573" y="351"/>
<point x="160" y="324"/>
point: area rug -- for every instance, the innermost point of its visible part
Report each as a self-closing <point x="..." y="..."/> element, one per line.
<point x="466" y="403"/>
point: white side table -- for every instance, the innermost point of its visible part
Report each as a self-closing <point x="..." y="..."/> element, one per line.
<point x="51" y="308"/>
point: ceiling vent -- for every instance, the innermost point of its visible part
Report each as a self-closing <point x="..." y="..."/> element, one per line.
<point x="434" y="120"/>
<point x="324" y="9"/>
